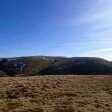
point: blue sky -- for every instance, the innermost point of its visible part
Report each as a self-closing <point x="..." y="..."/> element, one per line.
<point x="56" y="28"/>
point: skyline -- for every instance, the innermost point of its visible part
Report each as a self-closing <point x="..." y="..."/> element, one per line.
<point x="56" y="28"/>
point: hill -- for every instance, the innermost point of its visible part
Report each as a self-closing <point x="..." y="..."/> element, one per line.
<point x="56" y="94"/>
<point x="79" y="65"/>
<point x="46" y="65"/>
<point x="2" y="74"/>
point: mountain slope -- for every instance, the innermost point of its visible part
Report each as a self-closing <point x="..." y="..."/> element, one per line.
<point x="80" y="65"/>
<point x="46" y="65"/>
<point x="26" y="65"/>
<point x="2" y="74"/>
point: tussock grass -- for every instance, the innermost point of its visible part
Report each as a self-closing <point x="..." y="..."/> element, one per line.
<point x="56" y="94"/>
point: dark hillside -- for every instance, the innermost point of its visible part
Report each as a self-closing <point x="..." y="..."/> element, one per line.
<point x="26" y="66"/>
<point x="80" y="65"/>
<point x="46" y="65"/>
<point x="2" y="74"/>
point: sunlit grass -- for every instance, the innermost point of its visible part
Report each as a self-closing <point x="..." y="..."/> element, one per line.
<point x="56" y="94"/>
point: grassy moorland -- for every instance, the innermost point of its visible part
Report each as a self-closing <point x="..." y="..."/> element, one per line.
<point x="56" y="94"/>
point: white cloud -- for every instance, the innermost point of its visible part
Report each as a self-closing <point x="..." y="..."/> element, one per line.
<point x="93" y="47"/>
<point x="99" y="13"/>
<point x="100" y="50"/>
<point x="90" y="42"/>
<point x="105" y="53"/>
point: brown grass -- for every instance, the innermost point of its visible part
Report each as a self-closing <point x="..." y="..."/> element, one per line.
<point x="56" y="94"/>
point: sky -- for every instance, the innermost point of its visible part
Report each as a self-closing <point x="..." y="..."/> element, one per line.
<point x="56" y="28"/>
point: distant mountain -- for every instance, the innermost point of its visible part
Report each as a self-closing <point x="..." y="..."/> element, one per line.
<point x="79" y="65"/>
<point x="47" y="65"/>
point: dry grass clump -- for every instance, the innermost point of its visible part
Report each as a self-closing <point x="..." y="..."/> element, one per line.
<point x="56" y="94"/>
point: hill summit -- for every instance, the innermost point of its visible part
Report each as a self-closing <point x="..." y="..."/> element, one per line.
<point x="48" y="65"/>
